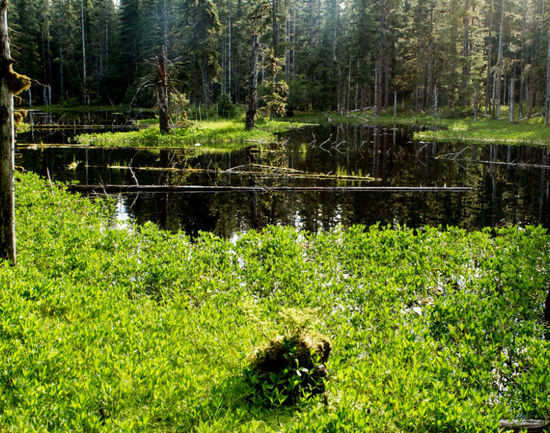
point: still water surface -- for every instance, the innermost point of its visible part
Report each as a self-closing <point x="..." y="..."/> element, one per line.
<point x="510" y="184"/>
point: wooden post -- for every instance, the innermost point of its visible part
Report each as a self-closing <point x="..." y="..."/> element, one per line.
<point x="7" y="193"/>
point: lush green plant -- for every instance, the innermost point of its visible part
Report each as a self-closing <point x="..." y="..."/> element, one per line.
<point x="292" y="366"/>
<point x="226" y="108"/>
<point x="106" y="328"/>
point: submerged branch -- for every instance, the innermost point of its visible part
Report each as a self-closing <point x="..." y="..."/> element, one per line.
<point x="222" y="188"/>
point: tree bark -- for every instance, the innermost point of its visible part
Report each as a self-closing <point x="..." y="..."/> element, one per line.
<point x="488" y="86"/>
<point x="275" y="24"/>
<point x="476" y="101"/>
<point x="547" y="315"/>
<point x="163" y="93"/>
<point x="85" y="97"/>
<point x="253" y="89"/>
<point x="7" y="193"/>
<point x="464" y="100"/>
<point x="498" y="84"/>
<point x="523" y="59"/>
<point x="511" y="100"/>
<point x="547" y="99"/>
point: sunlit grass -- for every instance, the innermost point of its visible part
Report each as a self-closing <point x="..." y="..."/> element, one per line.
<point x="213" y="134"/>
<point x="489" y="130"/>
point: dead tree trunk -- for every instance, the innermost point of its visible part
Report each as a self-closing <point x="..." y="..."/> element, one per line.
<point x="523" y="59"/>
<point x="253" y="89"/>
<point x="498" y="91"/>
<point x="85" y="96"/>
<point x="476" y="100"/>
<point x="163" y="93"/>
<point x="7" y="195"/>
<point x="547" y="315"/>
<point x="511" y="100"/>
<point x="464" y="99"/>
<point x="547" y="99"/>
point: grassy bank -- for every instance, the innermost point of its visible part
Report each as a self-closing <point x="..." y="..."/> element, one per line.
<point x="138" y="330"/>
<point x="485" y="130"/>
<point x="212" y="134"/>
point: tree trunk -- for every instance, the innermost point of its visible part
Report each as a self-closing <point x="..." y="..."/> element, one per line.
<point x="464" y="100"/>
<point x="253" y="89"/>
<point x="436" y="103"/>
<point x="275" y="24"/>
<point x="498" y="88"/>
<point x="377" y="87"/>
<point x="7" y="194"/>
<point x="511" y="100"/>
<point x="488" y="84"/>
<point x="476" y="101"/>
<point x="163" y="93"/>
<point x="547" y="315"/>
<point x="85" y="96"/>
<point x="229" y="50"/>
<point x="61" y="74"/>
<point x="547" y="99"/>
<point x="523" y="59"/>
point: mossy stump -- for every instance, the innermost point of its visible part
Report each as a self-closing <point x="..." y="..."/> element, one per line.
<point x="288" y="369"/>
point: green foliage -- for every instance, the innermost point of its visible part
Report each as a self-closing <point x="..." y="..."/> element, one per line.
<point x="275" y="90"/>
<point x="106" y="329"/>
<point x="226" y="108"/>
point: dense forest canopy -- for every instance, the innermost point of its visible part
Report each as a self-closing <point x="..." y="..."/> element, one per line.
<point x="335" y="54"/>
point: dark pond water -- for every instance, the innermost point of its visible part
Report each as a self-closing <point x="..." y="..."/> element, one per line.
<point x="61" y="127"/>
<point x="510" y="184"/>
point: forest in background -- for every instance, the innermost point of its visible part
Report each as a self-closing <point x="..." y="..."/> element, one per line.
<point x="334" y="54"/>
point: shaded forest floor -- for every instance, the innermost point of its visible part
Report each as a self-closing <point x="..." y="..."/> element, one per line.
<point x="109" y="329"/>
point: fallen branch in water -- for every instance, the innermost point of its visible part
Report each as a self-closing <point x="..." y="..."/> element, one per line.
<point x="229" y="188"/>
<point x="266" y="172"/>
<point x="508" y="164"/>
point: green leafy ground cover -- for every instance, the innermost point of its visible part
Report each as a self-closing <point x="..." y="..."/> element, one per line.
<point x="211" y="134"/>
<point x="104" y="329"/>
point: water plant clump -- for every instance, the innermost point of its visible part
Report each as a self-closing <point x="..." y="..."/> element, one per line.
<point x="288" y="369"/>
